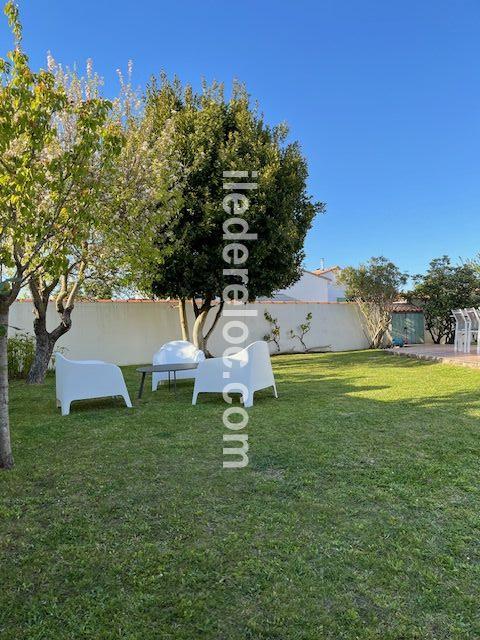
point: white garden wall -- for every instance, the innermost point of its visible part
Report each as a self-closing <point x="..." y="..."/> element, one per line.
<point x="129" y="332"/>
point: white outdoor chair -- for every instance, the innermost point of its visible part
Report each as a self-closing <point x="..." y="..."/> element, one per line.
<point x="176" y="352"/>
<point x="250" y="370"/>
<point x="474" y="326"/>
<point x="462" y="325"/>
<point x="86" y="379"/>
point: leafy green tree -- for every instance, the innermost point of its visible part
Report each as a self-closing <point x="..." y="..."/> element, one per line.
<point x="442" y="288"/>
<point x="374" y="287"/>
<point x="201" y="136"/>
<point x="36" y="225"/>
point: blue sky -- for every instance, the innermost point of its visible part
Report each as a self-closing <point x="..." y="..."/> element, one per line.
<point x="383" y="97"/>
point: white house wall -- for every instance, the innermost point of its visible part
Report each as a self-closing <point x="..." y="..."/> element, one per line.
<point x="309" y="288"/>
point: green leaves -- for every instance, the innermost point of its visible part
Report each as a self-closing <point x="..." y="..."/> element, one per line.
<point x="374" y="286"/>
<point x="5" y="288"/>
<point x="198" y="136"/>
<point x="379" y="281"/>
<point x="11" y="11"/>
<point x="442" y="288"/>
<point x="56" y="139"/>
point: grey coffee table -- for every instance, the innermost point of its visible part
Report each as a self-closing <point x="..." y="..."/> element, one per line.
<point x="164" y="368"/>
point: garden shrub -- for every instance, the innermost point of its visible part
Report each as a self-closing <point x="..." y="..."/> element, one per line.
<point x="21" y="353"/>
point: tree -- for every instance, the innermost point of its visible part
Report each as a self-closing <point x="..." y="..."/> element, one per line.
<point x="86" y="193"/>
<point x="442" y="288"/>
<point x="112" y="238"/>
<point x="35" y="227"/>
<point x="203" y="135"/>
<point x="374" y="287"/>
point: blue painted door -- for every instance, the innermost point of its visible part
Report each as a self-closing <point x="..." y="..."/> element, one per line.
<point x="409" y="327"/>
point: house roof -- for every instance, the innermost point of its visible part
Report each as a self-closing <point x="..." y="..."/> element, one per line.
<point x="314" y="273"/>
<point x="319" y="272"/>
<point x="278" y="297"/>
<point x="405" y="307"/>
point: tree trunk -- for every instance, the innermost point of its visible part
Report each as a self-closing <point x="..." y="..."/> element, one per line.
<point x="6" y="457"/>
<point x="201" y="313"/>
<point x="210" y="331"/>
<point x="379" y="334"/>
<point x="183" y="319"/>
<point x="197" y="334"/>
<point x="43" y="352"/>
<point x="46" y="341"/>
<point x="435" y="337"/>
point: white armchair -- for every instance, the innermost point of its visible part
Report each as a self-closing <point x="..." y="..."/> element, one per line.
<point x="474" y="328"/>
<point x="247" y="371"/>
<point x="85" y="379"/>
<point x="176" y="352"/>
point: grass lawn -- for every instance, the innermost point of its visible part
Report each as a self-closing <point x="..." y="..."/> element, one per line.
<point x="358" y="516"/>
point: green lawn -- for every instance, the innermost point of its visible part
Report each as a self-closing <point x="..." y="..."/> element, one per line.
<point x="358" y="516"/>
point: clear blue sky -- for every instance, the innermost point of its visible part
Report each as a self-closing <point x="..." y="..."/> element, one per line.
<point x="383" y="96"/>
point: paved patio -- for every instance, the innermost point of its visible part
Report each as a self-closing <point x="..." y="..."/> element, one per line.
<point x="439" y="353"/>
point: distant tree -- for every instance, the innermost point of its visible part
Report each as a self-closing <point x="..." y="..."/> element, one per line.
<point x="374" y="287"/>
<point x="201" y="137"/>
<point x="442" y="288"/>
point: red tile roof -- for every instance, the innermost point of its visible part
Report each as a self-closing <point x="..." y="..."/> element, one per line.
<point x="319" y="272"/>
<point x="405" y="307"/>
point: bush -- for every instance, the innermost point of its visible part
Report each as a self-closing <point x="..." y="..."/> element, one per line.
<point x="21" y="353"/>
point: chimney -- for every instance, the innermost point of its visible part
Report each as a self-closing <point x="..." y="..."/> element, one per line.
<point x="322" y="264"/>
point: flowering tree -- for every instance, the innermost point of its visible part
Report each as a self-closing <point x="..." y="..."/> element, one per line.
<point x="43" y="184"/>
<point x="63" y="278"/>
<point x="115" y="209"/>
